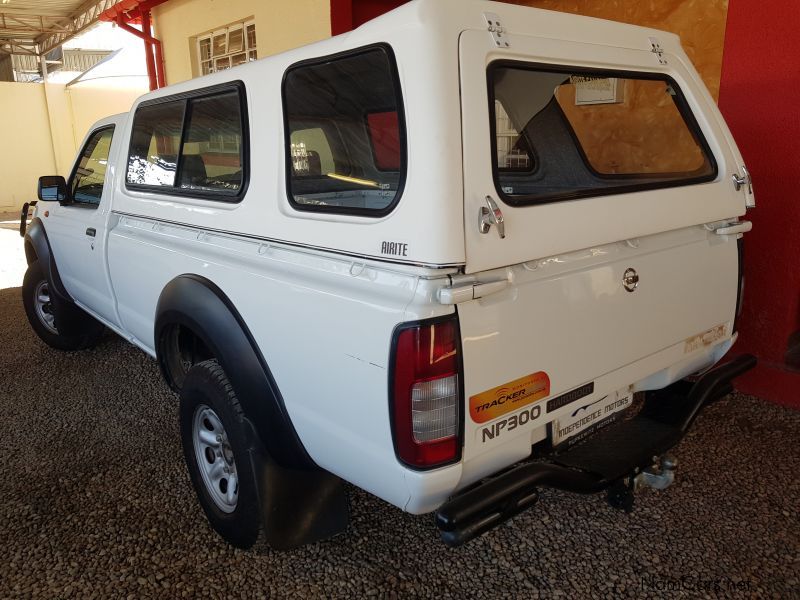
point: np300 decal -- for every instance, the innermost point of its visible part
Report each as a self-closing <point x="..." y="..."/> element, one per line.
<point x="497" y="428"/>
<point x="508" y="397"/>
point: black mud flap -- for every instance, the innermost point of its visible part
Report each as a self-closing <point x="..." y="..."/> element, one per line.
<point x="299" y="506"/>
<point x="605" y="461"/>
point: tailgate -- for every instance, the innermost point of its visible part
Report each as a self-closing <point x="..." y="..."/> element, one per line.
<point x="572" y="325"/>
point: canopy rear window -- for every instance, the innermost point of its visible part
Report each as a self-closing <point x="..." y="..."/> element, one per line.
<point x="345" y="133"/>
<point x="562" y="133"/>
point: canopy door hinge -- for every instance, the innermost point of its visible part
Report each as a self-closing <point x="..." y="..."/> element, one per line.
<point x="655" y="48"/>
<point x="471" y="291"/>
<point x="729" y="227"/>
<point x="497" y="30"/>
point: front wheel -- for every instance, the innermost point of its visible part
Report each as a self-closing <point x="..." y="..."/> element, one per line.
<point x="215" y="446"/>
<point x="52" y="321"/>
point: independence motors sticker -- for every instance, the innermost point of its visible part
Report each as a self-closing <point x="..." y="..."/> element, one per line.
<point x="513" y="395"/>
<point x="584" y="419"/>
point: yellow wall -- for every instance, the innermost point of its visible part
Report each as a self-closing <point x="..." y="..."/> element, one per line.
<point x="26" y="151"/>
<point x="89" y="102"/>
<point x="46" y="124"/>
<point x="280" y="25"/>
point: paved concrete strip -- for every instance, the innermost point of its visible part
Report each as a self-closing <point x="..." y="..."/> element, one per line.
<point x="12" y="257"/>
<point x="96" y="502"/>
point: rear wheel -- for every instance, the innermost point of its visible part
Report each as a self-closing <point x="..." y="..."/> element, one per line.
<point x="215" y="438"/>
<point x="51" y="321"/>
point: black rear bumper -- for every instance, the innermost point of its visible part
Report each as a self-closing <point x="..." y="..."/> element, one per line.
<point x="604" y="459"/>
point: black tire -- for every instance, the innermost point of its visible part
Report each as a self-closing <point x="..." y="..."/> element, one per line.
<point x="50" y="319"/>
<point x="207" y="385"/>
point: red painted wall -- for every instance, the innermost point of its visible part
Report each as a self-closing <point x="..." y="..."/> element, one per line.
<point x="760" y="99"/>
<point x="349" y="14"/>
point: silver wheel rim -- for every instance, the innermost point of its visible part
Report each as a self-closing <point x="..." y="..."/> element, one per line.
<point x="44" y="306"/>
<point x="214" y="457"/>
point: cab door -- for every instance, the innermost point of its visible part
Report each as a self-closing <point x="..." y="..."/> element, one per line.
<point x="78" y="230"/>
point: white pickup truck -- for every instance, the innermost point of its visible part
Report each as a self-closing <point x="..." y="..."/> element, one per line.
<point x="438" y="257"/>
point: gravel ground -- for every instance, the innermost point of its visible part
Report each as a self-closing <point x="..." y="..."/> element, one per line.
<point x="97" y="503"/>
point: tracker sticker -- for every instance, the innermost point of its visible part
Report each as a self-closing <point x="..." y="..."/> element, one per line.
<point x="510" y="396"/>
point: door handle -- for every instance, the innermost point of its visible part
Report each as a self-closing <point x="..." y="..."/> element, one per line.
<point x="91" y="231"/>
<point x="491" y="215"/>
<point x="739" y="181"/>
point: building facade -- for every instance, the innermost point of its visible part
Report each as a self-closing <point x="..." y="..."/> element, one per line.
<point x="202" y="36"/>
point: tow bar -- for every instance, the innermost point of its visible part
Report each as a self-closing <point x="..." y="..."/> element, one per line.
<point x="619" y="459"/>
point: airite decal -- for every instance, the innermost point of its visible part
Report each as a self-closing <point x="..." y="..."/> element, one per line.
<point x="514" y="395"/>
<point x="394" y="248"/>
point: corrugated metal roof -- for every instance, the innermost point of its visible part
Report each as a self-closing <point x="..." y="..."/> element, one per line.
<point x="38" y="26"/>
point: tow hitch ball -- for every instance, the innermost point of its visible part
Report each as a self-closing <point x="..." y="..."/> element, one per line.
<point x="659" y="477"/>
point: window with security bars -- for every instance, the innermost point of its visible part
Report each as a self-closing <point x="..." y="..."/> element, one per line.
<point x="227" y="47"/>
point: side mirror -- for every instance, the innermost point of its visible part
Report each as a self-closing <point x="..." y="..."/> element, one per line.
<point x="53" y="188"/>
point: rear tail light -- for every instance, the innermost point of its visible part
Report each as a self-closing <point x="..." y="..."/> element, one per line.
<point x="425" y="391"/>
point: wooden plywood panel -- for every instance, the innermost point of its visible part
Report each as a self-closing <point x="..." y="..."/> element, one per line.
<point x="699" y="23"/>
<point x="642" y="133"/>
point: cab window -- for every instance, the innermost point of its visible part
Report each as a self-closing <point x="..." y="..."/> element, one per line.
<point x="211" y="154"/>
<point x="90" y="172"/>
<point x="156" y="137"/>
<point x="192" y="144"/>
